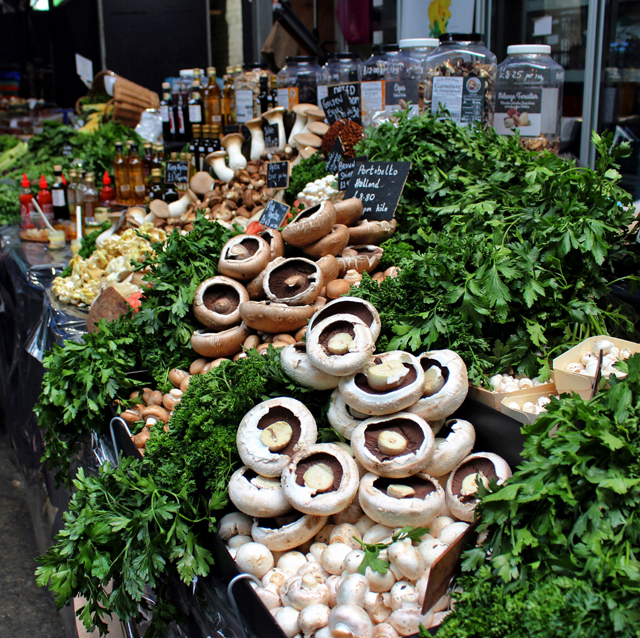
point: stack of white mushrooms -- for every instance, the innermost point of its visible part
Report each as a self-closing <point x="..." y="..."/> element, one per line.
<point x="588" y="363"/>
<point x="303" y="506"/>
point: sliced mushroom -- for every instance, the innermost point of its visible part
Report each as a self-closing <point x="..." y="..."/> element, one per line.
<point x="463" y="482"/>
<point x="216" y="301"/>
<point x="296" y="363"/>
<point x="296" y="282"/>
<point x="275" y="317"/>
<point x="391" y="381"/>
<point x="220" y="344"/>
<point x="310" y="225"/>
<point x="340" y="344"/>
<point x="350" y="306"/>
<point x="348" y="212"/>
<point x="321" y="479"/>
<point x="257" y="495"/>
<point x="395" y="446"/>
<point x="333" y="243"/>
<point x="382" y="500"/>
<point x="282" y="538"/>
<point x="341" y="416"/>
<point x="359" y="258"/>
<point x="244" y="256"/>
<point x="369" y="231"/>
<point x="272" y="432"/>
<point x="455" y="442"/>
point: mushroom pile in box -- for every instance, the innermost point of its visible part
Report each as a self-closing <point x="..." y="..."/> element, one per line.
<point x="306" y="508"/>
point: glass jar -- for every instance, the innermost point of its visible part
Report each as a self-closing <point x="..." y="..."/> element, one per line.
<point x="298" y="81"/>
<point x="529" y="96"/>
<point x="461" y="75"/>
<point x="403" y="77"/>
<point x="247" y="88"/>
<point x="372" y="84"/>
<point x="419" y="49"/>
<point x="341" y="68"/>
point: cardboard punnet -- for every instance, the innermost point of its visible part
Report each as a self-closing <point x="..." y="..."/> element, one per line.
<point x="580" y="383"/>
<point x="532" y="395"/>
<point x="494" y="399"/>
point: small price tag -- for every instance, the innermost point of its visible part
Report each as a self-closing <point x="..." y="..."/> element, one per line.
<point x="271" y="135"/>
<point x="378" y="185"/>
<point x="278" y="175"/>
<point x="335" y="157"/>
<point x="274" y="214"/>
<point x="176" y="172"/>
<point x="345" y="170"/>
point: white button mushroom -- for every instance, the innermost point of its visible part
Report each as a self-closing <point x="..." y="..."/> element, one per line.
<point x="237" y="541"/>
<point x="352" y="590"/>
<point x="497" y="382"/>
<point x="353" y="561"/>
<point x="431" y="549"/>
<point x="290" y="562"/>
<point x="407" y="621"/>
<point x="302" y="591"/>
<point x="384" y="630"/>
<point x="270" y="598"/>
<point x="333" y="583"/>
<point x="332" y="558"/>
<point x="439" y="524"/>
<point x="525" y="383"/>
<point x="364" y="524"/>
<point x="407" y="559"/>
<point x="287" y="618"/>
<point x="403" y="594"/>
<point x="316" y="550"/>
<point x="604" y="346"/>
<point x="324" y="534"/>
<point x="375" y="606"/>
<point x="254" y="558"/>
<point x="234" y="524"/>
<point x="347" y="534"/>
<point x="274" y="579"/>
<point x="349" y="621"/>
<point x="312" y="618"/>
<point x="451" y="533"/>
<point x="380" y="582"/>
<point x="376" y="534"/>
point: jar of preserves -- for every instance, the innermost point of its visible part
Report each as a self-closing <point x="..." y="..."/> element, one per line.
<point x="461" y="76"/>
<point x="298" y="81"/>
<point x="529" y="96"/>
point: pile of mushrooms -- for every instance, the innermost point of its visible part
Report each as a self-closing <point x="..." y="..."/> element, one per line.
<point x="304" y="505"/>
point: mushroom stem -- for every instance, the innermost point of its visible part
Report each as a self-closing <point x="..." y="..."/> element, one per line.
<point x="295" y="281"/>
<point x="233" y="145"/>
<point x="387" y="375"/>
<point x="257" y="138"/>
<point x="391" y="443"/>
<point x="239" y="252"/>
<point x="277" y="436"/>
<point x="217" y="163"/>
<point x="179" y="207"/>
<point x="223" y="306"/>
<point x="274" y="116"/>
<point x="339" y="344"/>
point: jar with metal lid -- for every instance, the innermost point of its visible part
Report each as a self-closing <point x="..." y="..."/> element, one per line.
<point x="298" y="81"/>
<point x="419" y="49"/>
<point x="529" y="96"/>
<point x="247" y="88"/>
<point x="373" y="79"/>
<point x="403" y="77"/>
<point x="461" y="76"/>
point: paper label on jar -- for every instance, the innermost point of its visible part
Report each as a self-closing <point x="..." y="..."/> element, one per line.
<point x="463" y="97"/>
<point x="399" y="91"/>
<point x="164" y="112"/>
<point x="244" y="105"/>
<point x="293" y="96"/>
<point x="323" y="92"/>
<point x="283" y="98"/>
<point x="58" y="197"/>
<point x="140" y="188"/>
<point x="195" y="113"/>
<point x="518" y="109"/>
<point x="372" y="96"/>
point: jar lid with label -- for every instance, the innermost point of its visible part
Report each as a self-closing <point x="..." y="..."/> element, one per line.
<point x="517" y="49"/>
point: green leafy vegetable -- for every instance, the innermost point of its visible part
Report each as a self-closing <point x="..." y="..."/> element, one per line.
<point x="307" y="170"/>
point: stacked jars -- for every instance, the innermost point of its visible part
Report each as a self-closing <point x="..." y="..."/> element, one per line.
<point x="418" y="49"/>
<point x="341" y="68"/>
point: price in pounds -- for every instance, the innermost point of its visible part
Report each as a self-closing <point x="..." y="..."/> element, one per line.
<point x="365" y="197"/>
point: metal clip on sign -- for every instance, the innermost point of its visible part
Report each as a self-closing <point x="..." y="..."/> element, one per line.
<point x="234" y="605"/>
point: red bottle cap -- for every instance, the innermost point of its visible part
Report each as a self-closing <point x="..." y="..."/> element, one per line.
<point x="25" y="181"/>
<point x="64" y="179"/>
<point x="43" y="182"/>
<point x="106" y="180"/>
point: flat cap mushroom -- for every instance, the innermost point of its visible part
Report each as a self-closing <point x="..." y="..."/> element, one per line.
<point x="216" y="301"/>
<point x="310" y="225"/>
<point x="202" y="183"/>
<point x="330" y="268"/>
<point x="159" y="208"/>
<point x="342" y="417"/>
<point x="348" y="212"/>
<point x="340" y="344"/>
<point x="394" y="446"/>
<point x="257" y="495"/>
<point x="220" y="344"/>
<point x="314" y="113"/>
<point x="332" y="243"/>
<point x="296" y="282"/>
<point x="416" y="500"/>
<point x="391" y="381"/>
<point x="370" y="231"/>
<point x="300" y="124"/>
<point x="462" y="484"/>
<point x="296" y="363"/>
<point x="455" y="443"/>
<point x="282" y="538"/>
<point x="273" y="237"/>
<point x="232" y="143"/>
<point x="359" y="258"/>
<point x="304" y="140"/>
<point x="272" y="432"/>
<point x="244" y="256"/>
<point x="318" y="128"/>
<point x="350" y="306"/>
<point x="321" y="479"/>
<point x="446" y="385"/>
<point x="274" y="318"/>
<point x="306" y="153"/>
<point x="255" y="287"/>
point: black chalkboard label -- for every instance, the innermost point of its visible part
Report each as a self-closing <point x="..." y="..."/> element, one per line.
<point x="351" y="105"/>
<point x="335" y="108"/>
<point x="278" y="175"/>
<point x="273" y="214"/>
<point x="176" y="172"/>
<point x="378" y="185"/>
<point x="271" y="136"/>
<point x="336" y="154"/>
<point x="345" y="170"/>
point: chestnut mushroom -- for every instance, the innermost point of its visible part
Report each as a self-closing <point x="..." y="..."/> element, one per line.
<point x="446" y="385"/>
<point x="310" y="225"/>
<point x="272" y="432"/>
<point x="255" y="287"/>
<point x="462" y="484"/>
<point x="370" y="231"/>
<point x="359" y="258"/>
<point x="216" y="301"/>
<point x="275" y="317"/>
<point x="391" y="381"/>
<point x="343" y="419"/>
<point x="220" y="344"/>
<point x="340" y="344"/>
<point x="281" y="538"/>
<point x="455" y="442"/>
<point x="348" y="212"/>
<point x="321" y="479"/>
<point x="202" y="183"/>
<point x="244" y="256"/>
<point x="416" y="500"/>
<point x="296" y="363"/>
<point x="256" y="495"/>
<point x="296" y="282"/>
<point x="330" y="268"/>
<point x="394" y="446"/>
<point x="332" y="243"/>
<point x="350" y="306"/>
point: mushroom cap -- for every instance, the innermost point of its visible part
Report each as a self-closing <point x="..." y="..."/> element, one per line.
<point x="345" y="482"/>
<point x="420" y="440"/>
<point x="455" y="443"/>
<point x="339" y="416"/>
<point x="418" y="511"/>
<point x="208" y="160"/>
<point x="491" y="465"/>
<point x="244" y="269"/>
<point x="310" y="225"/>
<point x="314" y="112"/>
<point x="282" y="538"/>
<point x="359" y="308"/>
<point x="348" y="211"/>
<point x="255" y="287"/>
<point x="451" y="396"/>
<point x="159" y="208"/>
<point x="230" y="139"/>
<point x="318" y="128"/>
<point x="155" y="411"/>
<point x="307" y="152"/>
<point x="273" y="237"/>
<point x="330" y="268"/>
<point x="333" y="243"/>
<point x="359" y="395"/>
<point x="275" y="317"/>
<point x="296" y="363"/>
<point x="299" y="109"/>
<point x="277" y="276"/>
<point x="372" y="231"/>
<point x="201" y="183"/>
<point x="254" y="453"/>
<point x="366" y="260"/>
<point x="274" y="112"/>
<point x="210" y="292"/>
<point x="220" y="344"/>
<point x="255" y="123"/>
<point x="308" y="139"/>
<point x="340" y="365"/>
<point x="255" y="499"/>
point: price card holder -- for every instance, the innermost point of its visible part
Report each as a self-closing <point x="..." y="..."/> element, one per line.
<point x="271" y="135"/>
<point x="351" y="103"/>
<point x="335" y="157"/>
<point x="278" y="175"/>
<point x="176" y="172"/>
<point x="273" y="214"/>
<point x="378" y="185"/>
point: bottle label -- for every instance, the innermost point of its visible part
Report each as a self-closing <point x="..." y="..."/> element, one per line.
<point x="283" y="98"/>
<point x="164" y="112"/>
<point x="124" y="188"/>
<point x="58" y="197"/>
<point x="195" y="113"/>
<point x="140" y="189"/>
<point x="216" y="118"/>
<point x="323" y="92"/>
<point x="372" y="98"/>
<point x="244" y="105"/>
<point x="463" y="97"/>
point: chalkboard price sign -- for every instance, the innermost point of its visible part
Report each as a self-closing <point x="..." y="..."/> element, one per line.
<point x="271" y="135"/>
<point x="176" y="172"/>
<point x="351" y="104"/>
<point x="335" y="156"/>
<point x="345" y="170"/>
<point x="336" y="107"/>
<point x="273" y="214"/>
<point x="278" y="175"/>
<point x="378" y="185"/>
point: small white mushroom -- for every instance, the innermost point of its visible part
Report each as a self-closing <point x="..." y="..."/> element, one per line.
<point x="316" y="550"/>
<point x="349" y="621"/>
<point x="384" y="630"/>
<point x="625" y="353"/>
<point x="380" y="582"/>
<point x="254" y="558"/>
<point x="237" y="541"/>
<point x="528" y="407"/>
<point x="374" y="605"/>
<point x="333" y="583"/>
<point x="525" y="383"/>
<point x="439" y="524"/>
<point x="324" y="534"/>
<point x="575" y="367"/>
<point x="497" y="382"/>
<point x="302" y="591"/>
<point x="352" y="590"/>
<point x="287" y="618"/>
<point x="332" y="558"/>
<point x="403" y="594"/>
<point x="351" y="514"/>
<point x="270" y="598"/>
<point x="430" y="549"/>
<point x="274" y="579"/>
<point x="376" y="534"/>
<point x="407" y="559"/>
<point x="353" y="561"/>
<point x="407" y="621"/>
<point x="364" y="524"/>
<point x="604" y="346"/>
<point x="234" y="524"/>
<point x="312" y="618"/>
<point x="346" y="534"/>
<point x="451" y="533"/>
<point x="290" y="562"/>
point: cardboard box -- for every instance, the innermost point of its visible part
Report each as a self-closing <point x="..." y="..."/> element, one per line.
<point x="533" y="394"/>
<point x="580" y="383"/>
<point x="494" y="399"/>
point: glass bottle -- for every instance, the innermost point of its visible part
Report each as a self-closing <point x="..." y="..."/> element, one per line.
<point x="157" y="187"/>
<point x="107" y="194"/>
<point x="229" y="99"/>
<point x="170" y="194"/>
<point x="90" y="199"/>
<point x="136" y="176"/>
<point x="158" y="157"/>
<point x="147" y="162"/>
<point x="59" y="195"/>
<point x="195" y="109"/>
<point x="167" y="113"/>
<point x="263" y="95"/>
<point x="213" y="103"/>
<point x="195" y="142"/>
<point x="27" y="209"/>
<point x="202" y="147"/>
<point x="372" y="84"/>
<point x="121" y="174"/>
